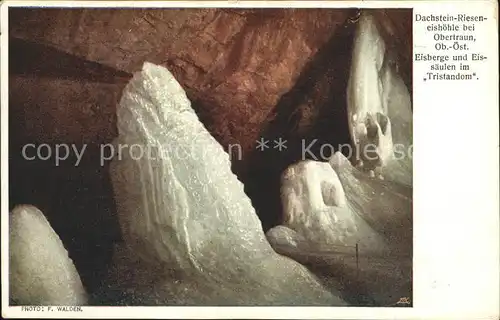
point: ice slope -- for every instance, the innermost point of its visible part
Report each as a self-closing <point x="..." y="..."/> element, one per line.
<point x="329" y="208"/>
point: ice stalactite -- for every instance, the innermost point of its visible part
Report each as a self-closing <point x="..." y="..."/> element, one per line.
<point x="379" y="107"/>
<point x="184" y="213"/>
<point x="40" y="271"/>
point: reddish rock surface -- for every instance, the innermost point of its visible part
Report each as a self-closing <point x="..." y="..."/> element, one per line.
<point x="237" y="62"/>
<point x="250" y="73"/>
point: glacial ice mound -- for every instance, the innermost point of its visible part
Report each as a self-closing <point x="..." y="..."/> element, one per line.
<point x="41" y="273"/>
<point x="333" y="206"/>
<point x="186" y="220"/>
<point x="315" y="206"/>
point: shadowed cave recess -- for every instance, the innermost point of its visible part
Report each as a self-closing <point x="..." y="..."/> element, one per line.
<point x="249" y="73"/>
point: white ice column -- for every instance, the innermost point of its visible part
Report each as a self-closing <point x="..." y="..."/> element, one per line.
<point x="379" y="107"/>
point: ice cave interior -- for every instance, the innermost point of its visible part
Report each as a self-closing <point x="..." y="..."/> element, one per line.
<point x="256" y="187"/>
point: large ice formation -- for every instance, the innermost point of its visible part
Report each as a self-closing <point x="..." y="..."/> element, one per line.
<point x="379" y="107"/>
<point x="41" y="273"/>
<point x="184" y="215"/>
